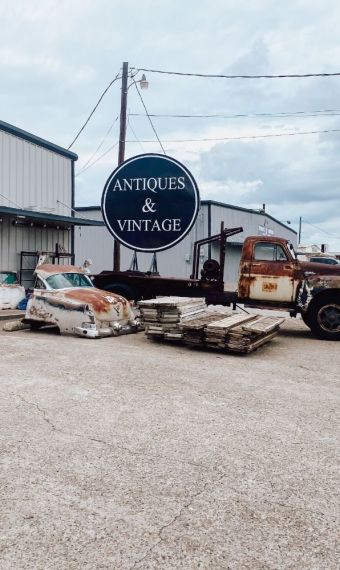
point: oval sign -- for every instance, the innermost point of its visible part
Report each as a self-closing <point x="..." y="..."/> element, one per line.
<point x="150" y="202"/>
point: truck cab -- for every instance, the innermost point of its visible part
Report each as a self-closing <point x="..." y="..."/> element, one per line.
<point x="268" y="271"/>
<point x="270" y="276"/>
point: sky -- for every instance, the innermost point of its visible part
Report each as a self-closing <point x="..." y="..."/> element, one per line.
<point x="57" y="57"/>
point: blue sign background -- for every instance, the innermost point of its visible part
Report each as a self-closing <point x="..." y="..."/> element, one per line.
<point x="150" y="191"/>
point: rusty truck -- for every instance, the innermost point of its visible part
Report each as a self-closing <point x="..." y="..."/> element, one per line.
<point x="270" y="277"/>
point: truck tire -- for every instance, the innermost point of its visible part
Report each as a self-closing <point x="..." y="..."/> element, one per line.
<point x="306" y="319"/>
<point x="123" y="290"/>
<point x="325" y="317"/>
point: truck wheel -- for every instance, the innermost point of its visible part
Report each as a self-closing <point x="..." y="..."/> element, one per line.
<point x="325" y="318"/>
<point x="124" y="291"/>
<point x="306" y="319"/>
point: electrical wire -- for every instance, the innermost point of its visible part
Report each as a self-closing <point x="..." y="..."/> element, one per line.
<point x="97" y="160"/>
<point x="221" y="76"/>
<point x="101" y="144"/>
<point x="94" y="108"/>
<point x="324" y="113"/>
<point x="147" y="114"/>
<point x="293" y="134"/>
<point x="320" y="229"/>
<point x="134" y="134"/>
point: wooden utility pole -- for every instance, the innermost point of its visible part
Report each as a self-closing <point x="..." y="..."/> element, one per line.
<point x="300" y="224"/>
<point x="121" y="148"/>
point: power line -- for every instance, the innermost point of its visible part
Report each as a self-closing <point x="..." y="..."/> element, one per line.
<point x="324" y="113"/>
<point x="94" y="109"/>
<point x="97" y="160"/>
<point x="134" y="134"/>
<point x="146" y="111"/>
<point x="101" y="144"/>
<point x="247" y="137"/>
<point x="221" y="76"/>
<point x="320" y="229"/>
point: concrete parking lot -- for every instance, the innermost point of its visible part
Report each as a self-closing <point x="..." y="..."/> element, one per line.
<point x="121" y="453"/>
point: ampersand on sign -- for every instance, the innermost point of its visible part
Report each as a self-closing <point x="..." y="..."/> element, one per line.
<point x="148" y="206"/>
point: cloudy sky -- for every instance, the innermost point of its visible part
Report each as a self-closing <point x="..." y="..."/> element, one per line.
<point x="58" y="56"/>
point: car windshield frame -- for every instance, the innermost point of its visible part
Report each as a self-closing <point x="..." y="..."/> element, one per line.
<point x="68" y="280"/>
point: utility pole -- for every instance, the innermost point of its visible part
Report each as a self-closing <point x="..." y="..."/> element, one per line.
<point x="300" y="224"/>
<point x="121" y="148"/>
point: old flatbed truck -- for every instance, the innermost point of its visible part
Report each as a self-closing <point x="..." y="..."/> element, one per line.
<point x="270" y="277"/>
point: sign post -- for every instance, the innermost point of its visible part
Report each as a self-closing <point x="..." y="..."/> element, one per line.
<point x="150" y="202"/>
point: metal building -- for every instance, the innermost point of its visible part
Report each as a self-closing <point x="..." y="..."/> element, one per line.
<point x="97" y="243"/>
<point x="36" y="201"/>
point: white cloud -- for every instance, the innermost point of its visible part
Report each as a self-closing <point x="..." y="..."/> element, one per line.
<point x="57" y="56"/>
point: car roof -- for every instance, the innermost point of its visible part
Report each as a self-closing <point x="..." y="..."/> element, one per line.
<point x="47" y="269"/>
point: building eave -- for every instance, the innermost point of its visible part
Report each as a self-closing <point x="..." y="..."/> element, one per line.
<point x="27" y="217"/>
<point x="25" y="135"/>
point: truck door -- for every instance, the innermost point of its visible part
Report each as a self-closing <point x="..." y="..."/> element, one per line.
<point x="271" y="273"/>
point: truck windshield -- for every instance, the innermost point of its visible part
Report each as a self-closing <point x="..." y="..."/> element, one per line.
<point x="67" y="280"/>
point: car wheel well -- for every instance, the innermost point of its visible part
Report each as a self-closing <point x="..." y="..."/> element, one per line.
<point x="123" y="290"/>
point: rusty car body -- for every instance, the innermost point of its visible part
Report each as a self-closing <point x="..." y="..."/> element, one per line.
<point x="11" y="292"/>
<point x="64" y="296"/>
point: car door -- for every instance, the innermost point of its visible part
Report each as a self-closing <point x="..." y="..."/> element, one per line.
<point x="271" y="273"/>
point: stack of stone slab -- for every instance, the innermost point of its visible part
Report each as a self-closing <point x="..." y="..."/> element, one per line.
<point x="163" y="317"/>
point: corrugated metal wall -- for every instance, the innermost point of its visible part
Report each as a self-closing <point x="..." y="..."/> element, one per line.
<point x="33" y="177"/>
<point x="16" y="238"/>
<point x="97" y="243"/>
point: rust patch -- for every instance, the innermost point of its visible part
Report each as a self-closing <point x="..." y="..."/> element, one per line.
<point x="101" y="301"/>
<point x="269" y="287"/>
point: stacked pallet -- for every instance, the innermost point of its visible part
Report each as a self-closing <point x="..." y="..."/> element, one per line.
<point x="187" y="319"/>
<point x="163" y="317"/>
<point x="194" y="329"/>
<point x="253" y="334"/>
<point x="241" y="333"/>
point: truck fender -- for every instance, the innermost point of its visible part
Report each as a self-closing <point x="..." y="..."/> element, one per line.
<point x="323" y="314"/>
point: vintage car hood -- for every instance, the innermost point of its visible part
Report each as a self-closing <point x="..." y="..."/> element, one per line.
<point x="106" y="306"/>
<point x="319" y="268"/>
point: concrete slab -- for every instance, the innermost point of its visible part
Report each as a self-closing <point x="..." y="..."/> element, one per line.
<point x="121" y="453"/>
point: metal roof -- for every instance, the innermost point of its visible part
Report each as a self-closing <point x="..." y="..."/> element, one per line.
<point x="15" y="131"/>
<point x="28" y="216"/>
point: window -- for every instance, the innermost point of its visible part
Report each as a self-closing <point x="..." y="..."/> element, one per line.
<point x="67" y="280"/>
<point x="269" y="252"/>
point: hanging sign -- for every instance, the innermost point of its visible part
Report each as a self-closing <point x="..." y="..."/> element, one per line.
<point x="150" y="202"/>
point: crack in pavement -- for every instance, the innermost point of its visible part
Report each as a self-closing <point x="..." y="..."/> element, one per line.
<point x="103" y="442"/>
<point x="41" y="410"/>
<point x="184" y="507"/>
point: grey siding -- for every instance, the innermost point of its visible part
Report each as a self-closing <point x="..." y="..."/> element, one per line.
<point x="33" y="177"/>
<point x="16" y="238"/>
<point x="97" y="243"/>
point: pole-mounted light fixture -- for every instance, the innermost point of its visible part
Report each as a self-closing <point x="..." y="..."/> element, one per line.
<point x="144" y="84"/>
